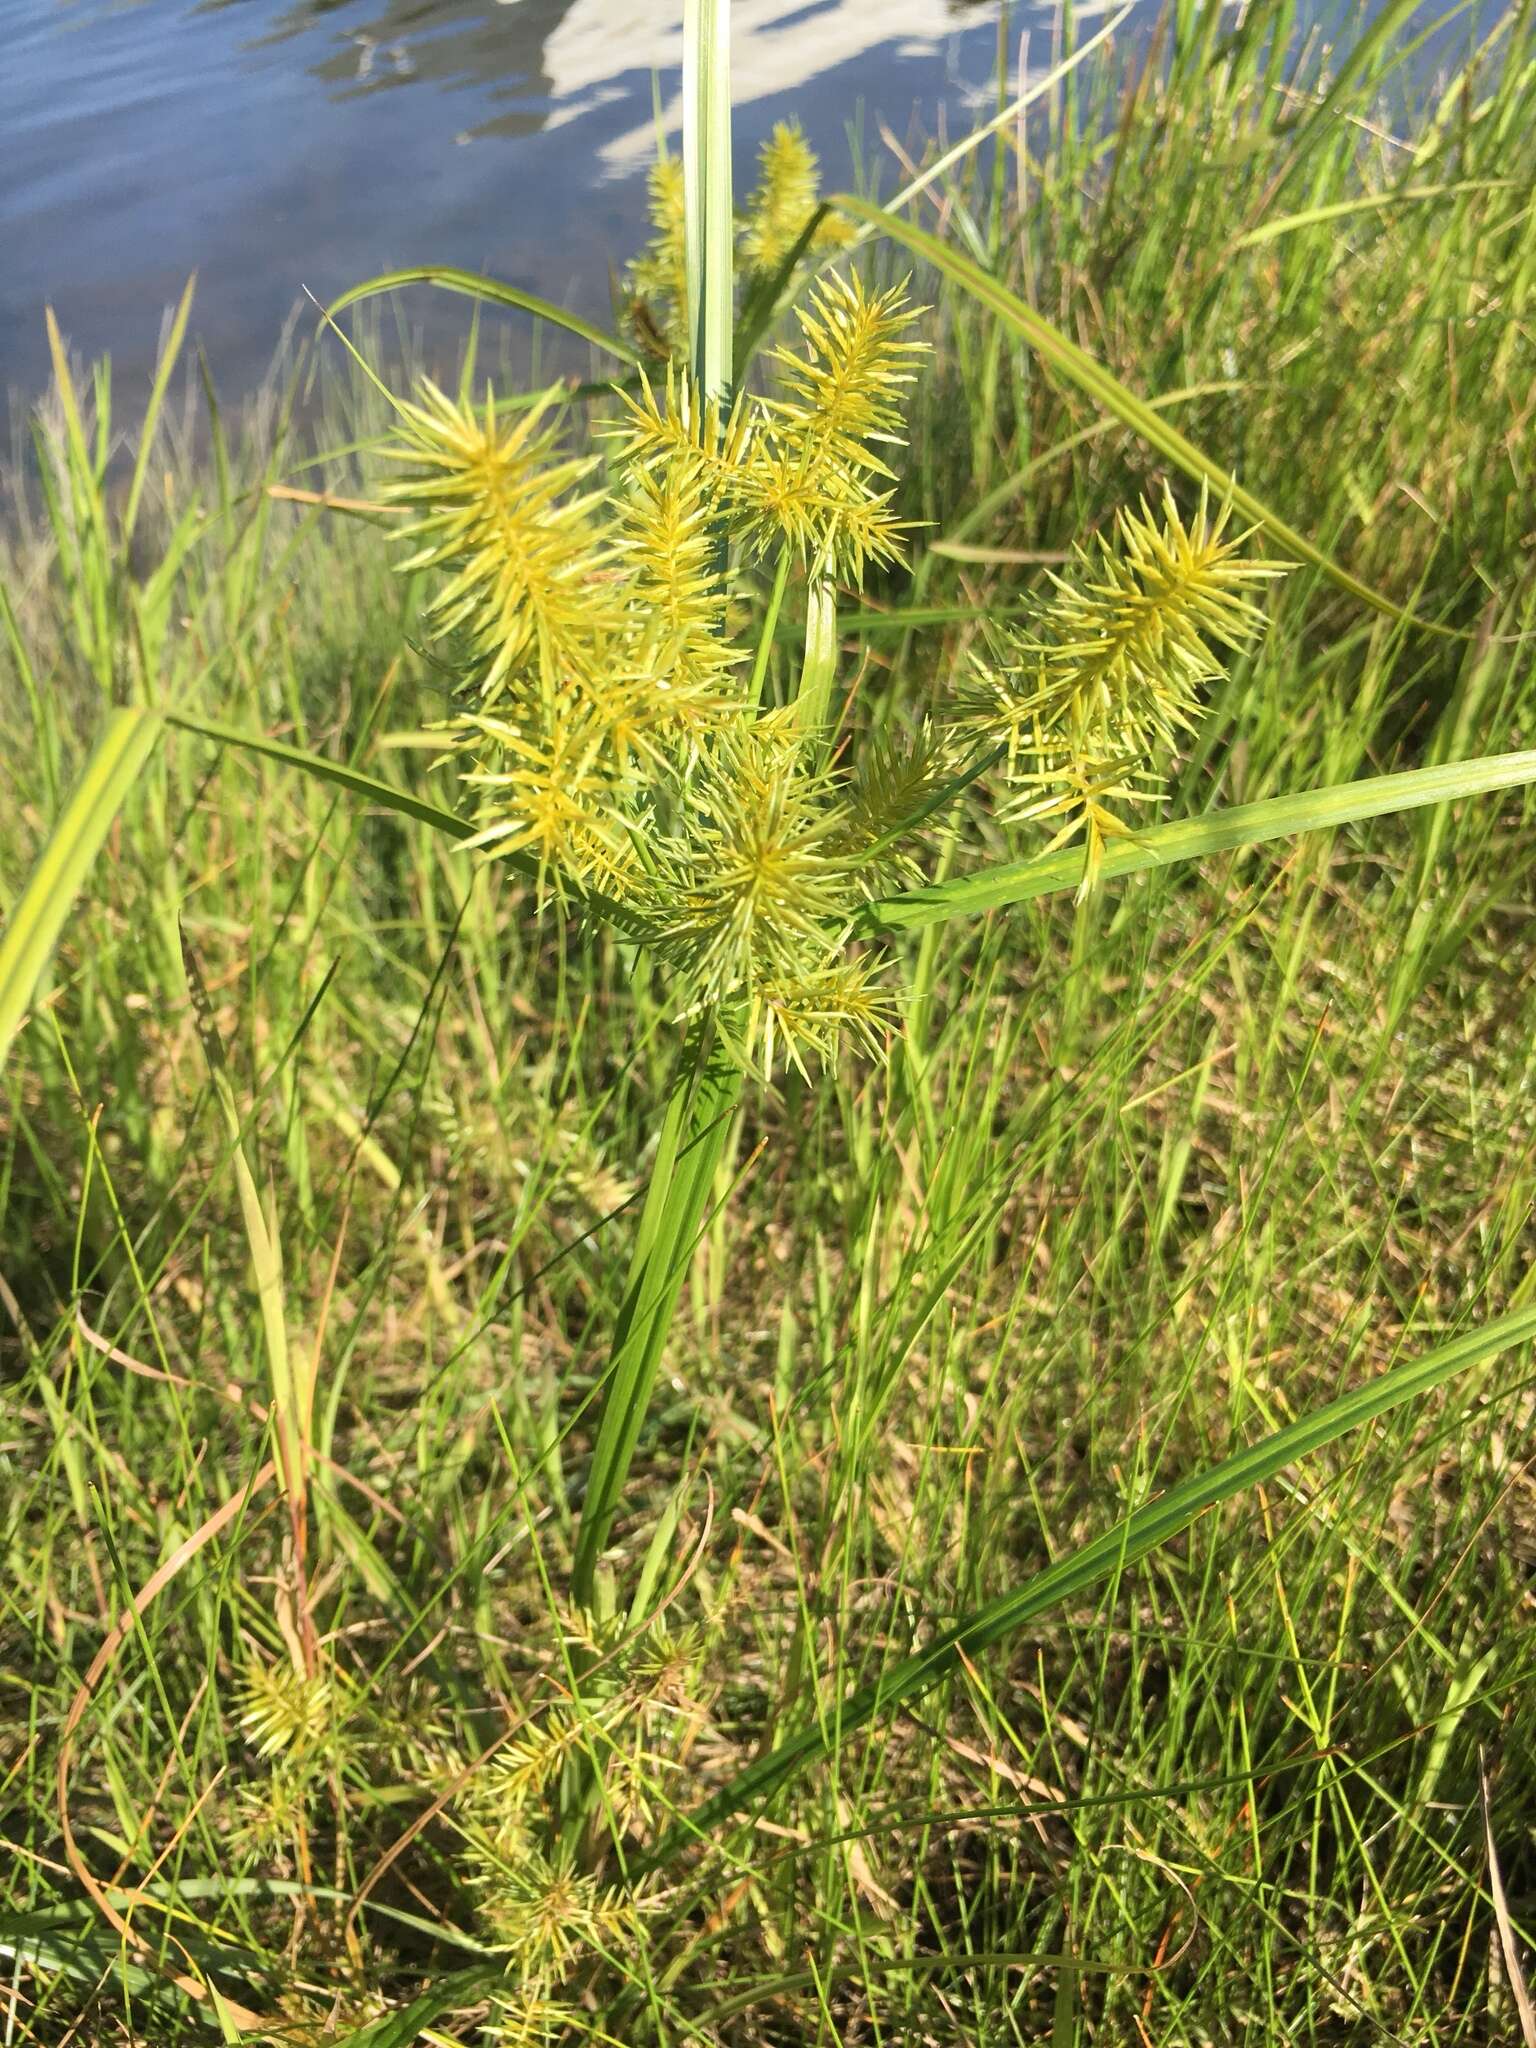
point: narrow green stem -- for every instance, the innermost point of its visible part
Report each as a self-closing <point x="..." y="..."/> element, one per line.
<point x="699" y="1112"/>
<point x="813" y="693"/>
<point x="692" y="1136"/>
<point x="756" y="691"/>
<point x="710" y="224"/>
<point x="606" y="1476"/>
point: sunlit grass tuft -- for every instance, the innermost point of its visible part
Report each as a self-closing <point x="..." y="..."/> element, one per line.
<point x="1144" y="1181"/>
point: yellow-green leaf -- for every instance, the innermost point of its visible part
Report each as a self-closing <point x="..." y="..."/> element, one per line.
<point x="1277" y="817"/>
<point x="33" y="927"/>
<point x="1080" y="1570"/>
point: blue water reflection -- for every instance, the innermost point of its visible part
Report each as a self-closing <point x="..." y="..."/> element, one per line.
<point x="285" y="146"/>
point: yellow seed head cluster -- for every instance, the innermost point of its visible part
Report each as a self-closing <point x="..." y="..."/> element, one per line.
<point x="604" y="725"/>
<point x="897" y="780"/>
<point x="658" y="278"/>
<point x="752" y="895"/>
<point x="283" y="1710"/>
<point x="788" y="189"/>
<point x="780" y="209"/>
<point x="1089" y="697"/>
<point x="604" y="729"/>
<point x="804" y="466"/>
<point x="546" y="791"/>
<point x="666" y="537"/>
<point x="548" y="1915"/>
<point x="502" y="512"/>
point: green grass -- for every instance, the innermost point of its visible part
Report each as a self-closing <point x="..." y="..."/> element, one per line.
<point x="1145" y="1182"/>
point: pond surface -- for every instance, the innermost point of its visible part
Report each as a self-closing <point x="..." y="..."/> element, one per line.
<point x="279" y="147"/>
<point x="285" y="147"/>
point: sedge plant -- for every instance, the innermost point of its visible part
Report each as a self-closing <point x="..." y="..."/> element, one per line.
<point x="612" y="610"/>
<point x="625" y="734"/>
<point x="624" y="731"/>
<point x="618" y="732"/>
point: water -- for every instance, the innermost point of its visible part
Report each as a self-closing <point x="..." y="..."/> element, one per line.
<point x="284" y="147"/>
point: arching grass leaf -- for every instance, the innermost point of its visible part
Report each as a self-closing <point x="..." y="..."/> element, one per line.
<point x="1278" y="817"/>
<point x="1106" y="390"/>
<point x="33" y="927"/>
<point x="489" y="291"/>
<point x="1089" y="1566"/>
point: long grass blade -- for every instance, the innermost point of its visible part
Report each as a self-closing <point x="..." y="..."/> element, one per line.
<point x="77" y="506"/>
<point x="710" y="217"/>
<point x="33" y="927"/>
<point x="994" y="888"/>
<point x="21" y="662"/>
<point x="1106" y="390"/>
<point x="1037" y="88"/>
<point x="292" y="1386"/>
<point x="341" y="773"/>
<point x="1089" y="1566"/>
<point x="489" y="291"/>
<point x="688" y="1152"/>
<point x="763" y="301"/>
<point x="358" y="783"/>
<point x="169" y="356"/>
<point x="1278" y="817"/>
<point x="404" y="2027"/>
<point x="1370" y="202"/>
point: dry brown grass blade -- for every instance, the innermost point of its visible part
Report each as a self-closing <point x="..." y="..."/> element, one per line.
<point x="326" y="501"/>
<point x="117" y="1635"/>
<point x="1506" y="1926"/>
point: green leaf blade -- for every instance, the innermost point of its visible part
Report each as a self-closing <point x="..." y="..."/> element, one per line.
<point x="488" y="291"/>
<point x="33" y="927"/>
<point x="1132" y="1538"/>
<point x="692" y="1140"/>
<point x="357" y="782"/>
<point x="341" y="773"/>
<point x="1224" y="831"/>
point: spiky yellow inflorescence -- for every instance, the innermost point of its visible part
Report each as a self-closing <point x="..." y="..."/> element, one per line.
<point x="549" y="1915"/>
<point x="606" y="737"/>
<point x="659" y="276"/>
<point x="787" y="192"/>
<point x="678" y="425"/>
<point x="896" y="782"/>
<point x="806" y="1016"/>
<point x="1089" y="697"/>
<point x="285" y="1710"/>
<point x="839" y="401"/>
<point x="501" y="512"/>
<point x="523" y="2019"/>
<point x="751" y="898"/>
<point x="523" y="1769"/>
<point x="752" y="885"/>
<point x="668" y="539"/>
<point x="777" y="214"/>
<point x="803" y="467"/>
<point x="545" y="789"/>
<point x="663" y="1675"/>
<point x="843" y="389"/>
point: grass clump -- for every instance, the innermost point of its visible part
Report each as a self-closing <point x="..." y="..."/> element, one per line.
<point x="1059" y="1208"/>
